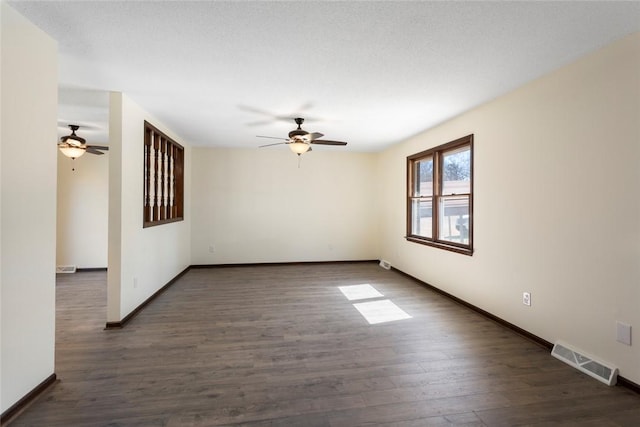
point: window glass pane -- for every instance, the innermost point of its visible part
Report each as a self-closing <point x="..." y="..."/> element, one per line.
<point x="423" y="177"/>
<point x="453" y="219"/>
<point x="422" y="217"/>
<point x="456" y="171"/>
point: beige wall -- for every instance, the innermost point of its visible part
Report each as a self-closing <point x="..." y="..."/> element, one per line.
<point x="83" y="200"/>
<point x="557" y="202"/>
<point x="556" y="207"/>
<point x="256" y="205"/>
<point x="28" y="206"/>
<point x="141" y="261"/>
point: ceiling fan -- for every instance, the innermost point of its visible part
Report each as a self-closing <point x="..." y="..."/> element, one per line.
<point x="74" y="146"/>
<point x="300" y="140"/>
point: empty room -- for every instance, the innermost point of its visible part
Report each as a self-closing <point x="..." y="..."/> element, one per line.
<point x="320" y="213"/>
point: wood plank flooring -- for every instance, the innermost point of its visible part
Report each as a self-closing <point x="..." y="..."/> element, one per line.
<point x="282" y="346"/>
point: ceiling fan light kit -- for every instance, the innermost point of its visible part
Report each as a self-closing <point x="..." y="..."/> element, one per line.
<point x="299" y="147"/>
<point x="71" y="151"/>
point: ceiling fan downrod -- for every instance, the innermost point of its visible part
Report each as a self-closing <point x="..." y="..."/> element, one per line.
<point x="299" y="131"/>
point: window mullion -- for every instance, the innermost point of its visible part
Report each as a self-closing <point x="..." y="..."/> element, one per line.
<point x="437" y="187"/>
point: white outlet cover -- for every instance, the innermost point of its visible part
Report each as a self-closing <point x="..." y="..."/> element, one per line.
<point x="623" y="333"/>
<point x="526" y="298"/>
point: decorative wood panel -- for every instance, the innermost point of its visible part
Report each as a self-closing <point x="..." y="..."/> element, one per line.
<point x="163" y="200"/>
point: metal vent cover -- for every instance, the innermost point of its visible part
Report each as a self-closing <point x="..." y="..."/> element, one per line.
<point x="66" y="269"/>
<point x="385" y="264"/>
<point x="594" y="368"/>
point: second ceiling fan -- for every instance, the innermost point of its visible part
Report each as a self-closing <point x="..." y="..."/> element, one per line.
<point x="300" y="140"/>
<point x="74" y="146"/>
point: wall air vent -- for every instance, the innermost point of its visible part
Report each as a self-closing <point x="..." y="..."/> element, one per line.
<point x="66" y="269"/>
<point x="588" y="365"/>
<point x="385" y="264"/>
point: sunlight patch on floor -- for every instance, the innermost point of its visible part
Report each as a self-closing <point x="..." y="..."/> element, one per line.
<point x="381" y="311"/>
<point x="357" y="292"/>
<point x="377" y="310"/>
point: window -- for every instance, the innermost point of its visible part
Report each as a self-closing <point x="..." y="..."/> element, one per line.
<point x="440" y="196"/>
<point x="163" y="178"/>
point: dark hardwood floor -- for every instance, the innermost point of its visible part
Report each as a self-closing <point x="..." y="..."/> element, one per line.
<point x="282" y="346"/>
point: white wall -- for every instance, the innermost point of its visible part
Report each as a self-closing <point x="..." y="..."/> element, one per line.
<point x="141" y="261"/>
<point x="256" y="205"/>
<point x="83" y="203"/>
<point x="28" y="206"/>
<point x="557" y="202"/>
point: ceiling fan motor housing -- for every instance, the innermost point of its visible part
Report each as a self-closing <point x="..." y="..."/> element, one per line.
<point x="298" y="133"/>
<point x="73" y="137"/>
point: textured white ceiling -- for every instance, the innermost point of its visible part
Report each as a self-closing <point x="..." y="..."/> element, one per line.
<point x="370" y="73"/>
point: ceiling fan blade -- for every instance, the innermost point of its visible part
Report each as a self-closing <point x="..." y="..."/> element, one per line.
<point x="64" y="125"/>
<point x="328" y="142"/>
<point x="99" y="147"/>
<point x="93" y="151"/>
<point x="269" y="145"/>
<point x="272" y="115"/>
<point x="315" y="135"/>
<point x="271" y="137"/>
<point x="275" y="117"/>
<point x="257" y="110"/>
<point x="259" y="123"/>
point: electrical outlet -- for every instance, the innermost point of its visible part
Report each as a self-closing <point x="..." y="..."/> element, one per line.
<point x="526" y="298"/>
<point x="211" y="250"/>
<point x="135" y="282"/>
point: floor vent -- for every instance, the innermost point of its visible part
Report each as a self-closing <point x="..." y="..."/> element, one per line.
<point x="66" y="269"/>
<point x="586" y="364"/>
<point x="385" y="264"/>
